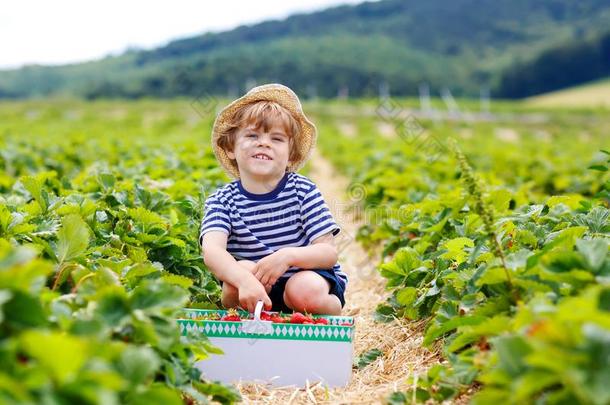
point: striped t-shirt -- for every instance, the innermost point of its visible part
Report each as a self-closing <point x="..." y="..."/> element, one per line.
<point x="292" y="215"/>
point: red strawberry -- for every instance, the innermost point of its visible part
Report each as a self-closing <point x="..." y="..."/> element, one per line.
<point x="345" y="324"/>
<point x="298" y="317"/>
<point x="321" y="321"/>
<point x="277" y="319"/>
<point x="266" y="316"/>
<point x="231" y="318"/>
<point x="308" y="322"/>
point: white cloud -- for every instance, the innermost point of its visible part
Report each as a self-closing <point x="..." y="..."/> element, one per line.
<point x="66" y="31"/>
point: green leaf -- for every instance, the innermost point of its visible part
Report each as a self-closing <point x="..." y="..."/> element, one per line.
<point x="5" y="296"/>
<point x="526" y="237"/>
<point x="141" y="270"/>
<point x="565" y="238"/>
<point x="367" y="358"/>
<point x="407" y="259"/>
<point x="397" y="398"/>
<point x="455" y="249"/>
<point x="106" y="180"/>
<point x="572" y="201"/>
<point x="158" y="295"/>
<point x="34" y="187"/>
<point x="20" y="270"/>
<point x="406" y="296"/>
<point x="604" y="300"/>
<point x="600" y="168"/>
<point x="224" y="394"/>
<point x="148" y="219"/>
<point x="22" y="311"/>
<point x="73" y="238"/>
<point x="156" y="394"/>
<point x="492" y="326"/>
<point x="384" y="313"/>
<point x="112" y="306"/>
<point x="60" y="354"/>
<point x="5" y="219"/>
<point x="138" y="364"/>
<point x="175" y="279"/>
<point x="500" y="199"/>
<point x="559" y="261"/>
<point x="512" y="351"/>
<point x="594" y="251"/>
<point x="437" y="330"/>
<point x="493" y="275"/>
<point x="596" y="220"/>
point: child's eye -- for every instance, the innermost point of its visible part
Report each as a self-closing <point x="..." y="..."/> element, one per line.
<point x="279" y="139"/>
<point x="251" y="136"/>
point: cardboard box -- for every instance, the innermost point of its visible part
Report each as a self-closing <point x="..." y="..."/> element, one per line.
<point x="280" y="354"/>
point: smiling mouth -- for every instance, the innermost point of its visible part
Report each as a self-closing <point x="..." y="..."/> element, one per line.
<point x="260" y="156"/>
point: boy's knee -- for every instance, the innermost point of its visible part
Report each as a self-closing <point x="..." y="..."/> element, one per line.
<point x="230" y="296"/>
<point x="305" y="291"/>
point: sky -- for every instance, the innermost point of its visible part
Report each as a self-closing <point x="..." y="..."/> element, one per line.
<point x="67" y="31"/>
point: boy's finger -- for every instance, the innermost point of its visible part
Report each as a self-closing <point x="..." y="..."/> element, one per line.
<point x="259" y="274"/>
<point x="267" y="303"/>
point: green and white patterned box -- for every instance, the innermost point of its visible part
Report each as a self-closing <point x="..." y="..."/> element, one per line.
<point x="281" y="354"/>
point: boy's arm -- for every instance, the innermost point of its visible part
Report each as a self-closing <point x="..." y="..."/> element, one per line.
<point x="322" y="253"/>
<point x="225" y="268"/>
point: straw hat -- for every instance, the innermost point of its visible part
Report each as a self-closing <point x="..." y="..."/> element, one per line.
<point x="268" y="92"/>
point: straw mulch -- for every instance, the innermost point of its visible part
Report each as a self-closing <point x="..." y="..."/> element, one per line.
<point x="399" y="340"/>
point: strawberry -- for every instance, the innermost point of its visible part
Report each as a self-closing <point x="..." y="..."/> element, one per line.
<point x="231" y="316"/>
<point x="298" y="317"/>
<point x="265" y="316"/>
<point x="277" y="319"/>
<point x="321" y="321"/>
<point x="345" y="324"/>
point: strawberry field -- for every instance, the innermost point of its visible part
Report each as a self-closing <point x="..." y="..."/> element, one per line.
<point x="494" y="232"/>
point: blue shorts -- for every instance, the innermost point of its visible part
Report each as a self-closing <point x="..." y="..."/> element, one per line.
<point x="277" y="290"/>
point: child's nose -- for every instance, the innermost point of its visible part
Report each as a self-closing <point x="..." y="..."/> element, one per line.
<point x="264" y="140"/>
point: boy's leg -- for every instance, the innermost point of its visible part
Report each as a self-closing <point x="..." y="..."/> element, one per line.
<point x="307" y="291"/>
<point x="230" y="296"/>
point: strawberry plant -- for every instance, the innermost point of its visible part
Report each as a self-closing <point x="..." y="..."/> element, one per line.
<point x="98" y="254"/>
<point x="492" y="259"/>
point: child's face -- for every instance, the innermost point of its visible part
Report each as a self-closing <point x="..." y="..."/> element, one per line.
<point x="261" y="154"/>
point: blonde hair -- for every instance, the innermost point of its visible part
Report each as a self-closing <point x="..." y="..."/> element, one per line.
<point x="262" y="114"/>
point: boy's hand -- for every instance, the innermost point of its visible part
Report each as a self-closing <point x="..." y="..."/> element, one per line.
<point x="270" y="268"/>
<point x="249" y="292"/>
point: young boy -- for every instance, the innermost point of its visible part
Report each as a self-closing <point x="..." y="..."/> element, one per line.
<point x="269" y="234"/>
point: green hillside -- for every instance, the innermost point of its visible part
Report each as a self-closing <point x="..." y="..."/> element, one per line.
<point x="460" y="44"/>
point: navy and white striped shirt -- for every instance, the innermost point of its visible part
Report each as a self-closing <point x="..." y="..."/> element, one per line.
<point x="292" y="215"/>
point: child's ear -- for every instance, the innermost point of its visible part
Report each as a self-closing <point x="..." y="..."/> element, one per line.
<point x="230" y="154"/>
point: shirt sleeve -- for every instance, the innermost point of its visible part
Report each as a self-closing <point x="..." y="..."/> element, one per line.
<point x="216" y="218"/>
<point x="315" y="215"/>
